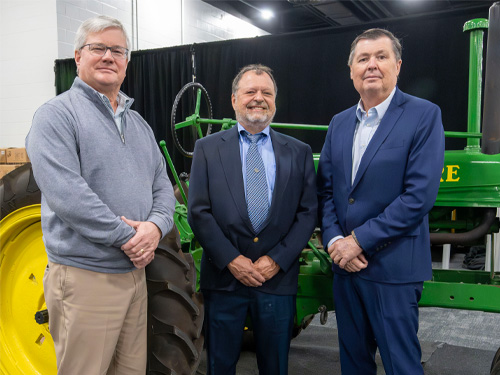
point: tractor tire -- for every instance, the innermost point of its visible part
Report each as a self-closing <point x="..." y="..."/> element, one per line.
<point x="18" y="189"/>
<point x="496" y="369"/>
<point x="175" y="310"/>
<point x="495" y="364"/>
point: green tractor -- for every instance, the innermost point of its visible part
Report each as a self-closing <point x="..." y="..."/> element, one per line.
<point x="464" y="213"/>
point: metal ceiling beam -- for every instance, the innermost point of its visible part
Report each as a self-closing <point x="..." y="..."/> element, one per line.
<point x="318" y="14"/>
<point x="359" y="11"/>
<point x="382" y="8"/>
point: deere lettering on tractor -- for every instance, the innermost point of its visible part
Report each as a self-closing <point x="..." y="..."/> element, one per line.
<point x="464" y="214"/>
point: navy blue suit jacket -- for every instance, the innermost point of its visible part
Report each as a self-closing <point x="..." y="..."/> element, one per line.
<point x="395" y="187"/>
<point x="218" y="215"/>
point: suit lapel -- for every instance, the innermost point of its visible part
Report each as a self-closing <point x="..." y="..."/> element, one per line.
<point x="283" y="157"/>
<point x="386" y="125"/>
<point x="348" y="140"/>
<point x="229" y="152"/>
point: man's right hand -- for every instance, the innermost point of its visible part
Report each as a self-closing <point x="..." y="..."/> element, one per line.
<point x="243" y="270"/>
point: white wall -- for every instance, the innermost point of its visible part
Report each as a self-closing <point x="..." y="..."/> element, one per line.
<point x="176" y="22"/>
<point x="205" y="23"/>
<point x="36" y="32"/>
<point x="159" y="23"/>
<point x="71" y="14"/>
<point x="28" y="48"/>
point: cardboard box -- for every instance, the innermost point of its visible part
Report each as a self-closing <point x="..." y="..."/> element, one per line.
<point x="17" y="155"/>
<point x="7" y="168"/>
<point x="3" y="155"/>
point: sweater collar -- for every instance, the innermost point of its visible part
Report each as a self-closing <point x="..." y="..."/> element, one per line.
<point x="94" y="95"/>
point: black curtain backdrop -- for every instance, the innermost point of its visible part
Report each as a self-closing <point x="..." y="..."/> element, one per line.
<point x="311" y="72"/>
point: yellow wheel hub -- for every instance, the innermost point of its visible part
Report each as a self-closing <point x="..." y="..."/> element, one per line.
<point x="26" y="347"/>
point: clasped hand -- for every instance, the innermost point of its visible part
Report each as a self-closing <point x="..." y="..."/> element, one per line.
<point x="141" y="247"/>
<point x="253" y="273"/>
<point x="346" y="253"/>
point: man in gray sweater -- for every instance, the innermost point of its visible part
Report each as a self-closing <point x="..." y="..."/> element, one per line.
<point x="106" y="203"/>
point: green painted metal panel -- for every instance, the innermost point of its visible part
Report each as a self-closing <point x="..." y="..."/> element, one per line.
<point x="470" y="179"/>
<point x="470" y="290"/>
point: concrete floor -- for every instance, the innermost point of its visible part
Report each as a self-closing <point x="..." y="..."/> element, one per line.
<point x="454" y="342"/>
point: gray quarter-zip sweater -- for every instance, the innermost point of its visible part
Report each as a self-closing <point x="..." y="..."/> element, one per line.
<point x="90" y="176"/>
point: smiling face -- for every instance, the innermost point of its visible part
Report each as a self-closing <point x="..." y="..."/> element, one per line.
<point x="103" y="73"/>
<point x="374" y="70"/>
<point x="254" y="101"/>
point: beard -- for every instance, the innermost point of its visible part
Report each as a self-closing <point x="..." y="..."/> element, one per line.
<point x="256" y="121"/>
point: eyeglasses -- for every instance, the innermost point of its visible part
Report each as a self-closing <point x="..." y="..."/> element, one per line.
<point x="99" y="49"/>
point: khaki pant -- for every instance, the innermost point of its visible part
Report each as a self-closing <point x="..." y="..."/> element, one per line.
<point x="98" y="320"/>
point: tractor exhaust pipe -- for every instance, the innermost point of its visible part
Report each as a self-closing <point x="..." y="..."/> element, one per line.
<point x="470" y="237"/>
<point x="491" y="109"/>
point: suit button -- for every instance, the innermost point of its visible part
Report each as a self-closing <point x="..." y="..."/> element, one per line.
<point x="256" y="239"/>
<point x="351" y="200"/>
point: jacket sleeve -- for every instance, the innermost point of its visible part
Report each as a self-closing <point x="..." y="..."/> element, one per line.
<point x="329" y="222"/>
<point x="290" y="247"/>
<point x="53" y="150"/>
<point x="216" y="245"/>
<point x="420" y="186"/>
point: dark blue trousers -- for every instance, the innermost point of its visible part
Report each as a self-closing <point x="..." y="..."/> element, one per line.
<point x="371" y="315"/>
<point x="272" y="323"/>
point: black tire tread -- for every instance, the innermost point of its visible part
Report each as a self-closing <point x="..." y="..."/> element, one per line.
<point x="18" y="189"/>
<point x="496" y="369"/>
<point x="175" y="311"/>
<point x="496" y="363"/>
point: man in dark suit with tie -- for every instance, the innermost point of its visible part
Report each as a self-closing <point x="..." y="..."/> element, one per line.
<point x="252" y="207"/>
<point x="378" y="177"/>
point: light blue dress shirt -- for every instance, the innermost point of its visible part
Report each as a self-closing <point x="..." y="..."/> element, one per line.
<point x="266" y="151"/>
<point x="123" y="101"/>
<point x="366" y="127"/>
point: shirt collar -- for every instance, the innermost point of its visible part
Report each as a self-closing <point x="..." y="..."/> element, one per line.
<point x="242" y="130"/>
<point x="380" y="109"/>
<point x="122" y="99"/>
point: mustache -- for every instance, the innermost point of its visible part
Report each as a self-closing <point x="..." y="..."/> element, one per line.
<point x="258" y="104"/>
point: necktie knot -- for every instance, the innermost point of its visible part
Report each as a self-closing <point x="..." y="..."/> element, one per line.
<point x="254" y="138"/>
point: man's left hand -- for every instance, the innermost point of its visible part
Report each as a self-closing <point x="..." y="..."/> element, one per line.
<point x="266" y="266"/>
<point x="141" y="247"/>
<point x="344" y="250"/>
<point x="357" y="264"/>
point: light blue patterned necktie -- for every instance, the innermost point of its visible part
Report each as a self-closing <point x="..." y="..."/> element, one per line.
<point x="257" y="193"/>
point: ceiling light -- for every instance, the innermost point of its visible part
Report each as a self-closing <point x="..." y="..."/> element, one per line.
<point x="264" y="13"/>
<point x="267" y="14"/>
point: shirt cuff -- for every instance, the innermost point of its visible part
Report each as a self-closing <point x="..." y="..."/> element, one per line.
<point x="332" y="241"/>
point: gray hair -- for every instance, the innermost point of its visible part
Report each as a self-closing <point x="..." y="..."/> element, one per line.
<point x="374" y="34"/>
<point x="258" y="69"/>
<point x="96" y="25"/>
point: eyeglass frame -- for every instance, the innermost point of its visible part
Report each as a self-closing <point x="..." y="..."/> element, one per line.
<point x="126" y="55"/>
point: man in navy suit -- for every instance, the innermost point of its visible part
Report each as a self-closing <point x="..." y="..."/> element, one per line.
<point x="378" y="177"/>
<point x="251" y="239"/>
